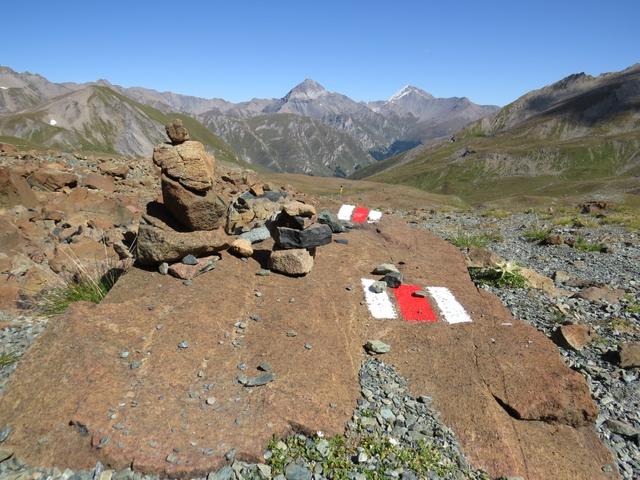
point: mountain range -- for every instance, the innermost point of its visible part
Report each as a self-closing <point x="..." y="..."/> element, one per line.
<point x="309" y="130"/>
<point x="578" y="135"/>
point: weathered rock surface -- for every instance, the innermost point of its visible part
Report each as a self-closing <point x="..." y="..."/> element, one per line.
<point x="14" y="190"/>
<point x="156" y="245"/>
<point x="499" y="383"/>
<point x="601" y="294"/>
<point x="196" y="211"/>
<point x="295" y="261"/>
<point x="51" y="179"/>
<point x="188" y="163"/>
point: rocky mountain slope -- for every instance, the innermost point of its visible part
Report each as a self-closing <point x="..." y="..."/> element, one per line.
<point x="578" y="135"/>
<point x="327" y="133"/>
<point x="93" y="118"/>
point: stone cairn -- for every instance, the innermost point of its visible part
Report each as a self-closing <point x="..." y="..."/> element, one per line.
<point x="296" y="235"/>
<point x="206" y="209"/>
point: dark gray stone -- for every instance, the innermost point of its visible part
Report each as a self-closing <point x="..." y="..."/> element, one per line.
<point x="190" y="260"/>
<point x="327" y="218"/>
<point x="393" y="279"/>
<point x="314" y="236"/>
<point x="294" y="471"/>
<point x="256" y="381"/>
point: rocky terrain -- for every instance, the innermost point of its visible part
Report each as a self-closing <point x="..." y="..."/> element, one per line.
<point x="589" y="303"/>
<point x="277" y="369"/>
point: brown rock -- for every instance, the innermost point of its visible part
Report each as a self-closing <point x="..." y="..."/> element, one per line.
<point x="49" y="179"/>
<point x="481" y="258"/>
<point x="100" y="182"/>
<point x="156" y="245"/>
<point x="630" y="355"/>
<point x="499" y="384"/>
<point x="176" y="132"/>
<point x="541" y="282"/>
<point x="114" y="170"/>
<point x="554" y="240"/>
<point x="196" y="211"/>
<point x="257" y="189"/>
<point x="8" y="148"/>
<point x="242" y="247"/>
<point x="601" y="294"/>
<point x="188" y="163"/>
<point x="295" y="261"/>
<point x="14" y="190"/>
<point x="574" y="336"/>
<point x="187" y="272"/>
<point x="299" y="209"/>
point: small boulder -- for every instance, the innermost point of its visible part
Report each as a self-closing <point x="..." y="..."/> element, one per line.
<point x="291" y="262"/>
<point x="385" y="268"/>
<point x="176" y="132"/>
<point x="256" y="235"/>
<point x="50" y="179"/>
<point x="378" y="287"/>
<point x="574" y="336"/>
<point x="299" y="209"/>
<point x="314" y="236"/>
<point x="327" y="218"/>
<point x="187" y="163"/>
<point x="242" y="247"/>
<point x="99" y="182"/>
<point x="601" y="294"/>
<point x="629" y="354"/>
<point x="14" y="190"/>
<point x="377" y="346"/>
<point x="156" y="245"/>
<point x="393" y="279"/>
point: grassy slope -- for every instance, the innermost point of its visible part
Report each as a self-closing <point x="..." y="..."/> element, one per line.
<point x="513" y="164"/>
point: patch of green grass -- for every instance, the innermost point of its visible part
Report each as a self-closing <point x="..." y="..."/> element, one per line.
<point x="537" y="234"/>
<point x="335" y="455"/>
<point x="584" y="245"/>
<point x="634" y="308"/>
<point x="7" y="359"/>
<point x="57" y="300"/>
<point x="497" y="213"/>
<point x="481" y="240"/>
<point x="575" y="221"/>
<point x="499" y="276"/>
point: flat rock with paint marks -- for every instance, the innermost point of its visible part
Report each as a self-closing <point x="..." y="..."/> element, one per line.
<point x="498" y="383"/>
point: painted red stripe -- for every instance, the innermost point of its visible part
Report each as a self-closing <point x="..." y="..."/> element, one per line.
<point x="360" y="215"/>
<point x="413" y="309"/>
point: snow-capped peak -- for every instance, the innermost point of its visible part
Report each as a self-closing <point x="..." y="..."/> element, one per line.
<point x="408" y="90"/>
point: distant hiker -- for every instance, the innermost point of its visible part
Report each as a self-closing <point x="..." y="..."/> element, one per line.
<point x="341" y="189"/>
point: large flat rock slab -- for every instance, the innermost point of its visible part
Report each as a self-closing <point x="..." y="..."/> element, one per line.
<point x="499" y="383"/>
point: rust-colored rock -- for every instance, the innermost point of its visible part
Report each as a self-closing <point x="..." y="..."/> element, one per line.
<point x="100" y="182"/>
<point x="196" y="211"/>
<point x="50" y="179"/>
<point x="187" y="272"/>
<point x="14" y="190"/>
<point x="498" y="382"/>
<point x="601" y="294"/>
<point x="574" y="336"/>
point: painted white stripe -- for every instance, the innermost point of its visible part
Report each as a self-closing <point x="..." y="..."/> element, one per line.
<point x="374" y="216"/>
<point x="379" y="304"/>
<point x="450" y="308"/>
<point x="345" y="212"/>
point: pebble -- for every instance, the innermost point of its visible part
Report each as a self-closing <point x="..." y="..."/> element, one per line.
<point x="308" y="346"/>
<point x="377" y="346"/>
<point x="190" y="260"/>
<point x="183" y="345"/>
<point x="211" y="401"/>
<point x="263" y="272"/>
<point x="163" y="268"/>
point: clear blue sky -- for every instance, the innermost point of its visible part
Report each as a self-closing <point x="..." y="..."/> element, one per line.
<point x="489" y="51"/>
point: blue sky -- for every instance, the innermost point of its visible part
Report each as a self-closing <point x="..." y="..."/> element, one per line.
<point x="489" y="51"/>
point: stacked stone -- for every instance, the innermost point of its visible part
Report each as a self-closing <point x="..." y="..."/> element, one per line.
<point x="296" y="235"/>
<point x="193" y="213"/>
<point x="188" y="180"/>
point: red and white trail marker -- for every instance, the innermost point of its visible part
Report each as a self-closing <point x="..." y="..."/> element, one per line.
<point x="358" y="214"/>
<point x="413" y="308"/>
